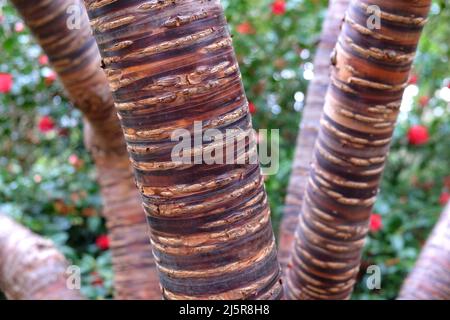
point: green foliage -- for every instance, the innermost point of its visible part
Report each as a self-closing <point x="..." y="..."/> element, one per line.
<point x="273" y="59"/>
<point x="47" y="179"/>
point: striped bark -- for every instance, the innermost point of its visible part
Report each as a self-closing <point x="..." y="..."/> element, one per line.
<point x="370" y="71"/>
<point x="31" y="267"/>
<point x="74" y="56"/>
<point x="170" y="63"/>
<point x="309" y="127"/>
<point x="430" y="278"/>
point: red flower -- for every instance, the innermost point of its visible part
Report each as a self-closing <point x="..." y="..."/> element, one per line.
<point x="278" y="7"/>
<point x="245" y="28"/>
<point x="444" y="198"/>
<point x="19" y="27"/>
<point x="423" y="101"/>
<point x="75" y="161"/>
<point x="6" y="82"/>
<point x="96" y="279"/>
<point x="46" y="124"/>
<point x="418" y="135"/>
<point x="412" y="79"/>
<point x="43" y="59"/>
<point x="50" y="78"/>
<point x="251" y="107"/>
<point x="102" y="242"/>
<point x="376" y="222"/>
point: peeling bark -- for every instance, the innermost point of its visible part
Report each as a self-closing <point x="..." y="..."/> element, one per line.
<point x="430" y="278"/>
<point x="74" y="56"/>
<point x="370" y="71"/>
<point x="309" y="127"/>
<point x="31" y="267"/>
<point x="170" y="63"/>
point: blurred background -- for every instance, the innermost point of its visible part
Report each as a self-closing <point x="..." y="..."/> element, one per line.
<point x="47" y="178"/>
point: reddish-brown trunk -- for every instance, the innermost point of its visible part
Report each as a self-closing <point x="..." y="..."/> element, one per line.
<point x="309" y="127"/>
<point x="74" y="56"/>
<point x="171" y="63"/>
<point x="31" y="268"/>
<point x="430" y="278"/>
<point x="370" y="71"/>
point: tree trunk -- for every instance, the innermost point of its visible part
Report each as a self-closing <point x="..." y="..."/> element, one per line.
<point x="74" y="56"/>
<point x="31" y="268"/>
<point x="371" y="68"/>
<point x="170" y="63"/>
<point x="430" y="278"/>
<point x="309" y="127"/>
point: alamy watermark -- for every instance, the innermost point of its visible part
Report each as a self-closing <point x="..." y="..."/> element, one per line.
<point x="73" y="281"/>
<point x="75" y="13"/>
<point x="235" y="146"/>
<point x="374" y="20"/>
<point x="373" y="281"/>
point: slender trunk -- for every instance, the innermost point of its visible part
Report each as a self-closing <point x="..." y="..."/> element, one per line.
<point x="309" y="127"/>
<point x="31" y="268"/>
<point x="171" y="63"/>
<point x="74" y="56"/>
<point x="430" y="278"/>
<point x="370" y="71"/>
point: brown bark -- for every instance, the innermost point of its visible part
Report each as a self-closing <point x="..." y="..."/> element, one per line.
<point x="370" y="71"/>
<point x="430" y="278"/>
<point x="170" y="63"/>
<point x="31" y="267"/>
<point x="309" y="127"/>
<point x="74" y="56"/>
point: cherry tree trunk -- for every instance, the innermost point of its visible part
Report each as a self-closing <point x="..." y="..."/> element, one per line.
<point x="309" y="127"/>
<point x="430" y="278"/>
<point x="31" y="267"/>
<point x="370" y="71"/>
<point x="62" y="29"/>
<point x="171" y="63"/>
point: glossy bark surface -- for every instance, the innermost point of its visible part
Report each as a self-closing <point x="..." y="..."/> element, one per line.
<point x="309" y="126"/>
<point x="170" y="63"/>
<point x="370" y="71"/>
<point x="62" y="29"/>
